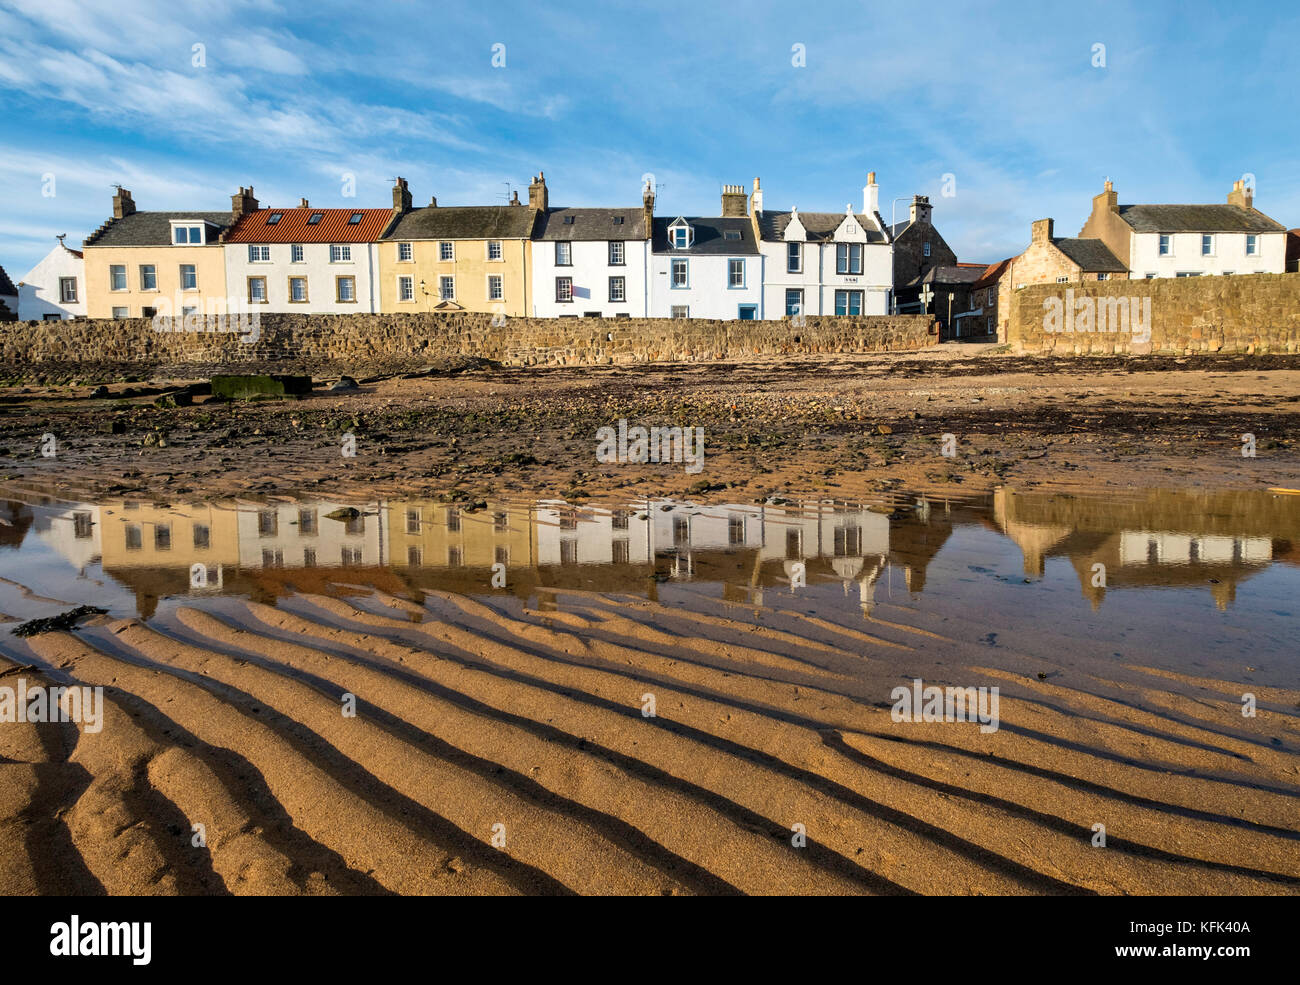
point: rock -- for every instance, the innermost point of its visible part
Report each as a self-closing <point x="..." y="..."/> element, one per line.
<point x="884" y="429"/>
<point x="98" y="393"/>
<point x="345" y="383"/>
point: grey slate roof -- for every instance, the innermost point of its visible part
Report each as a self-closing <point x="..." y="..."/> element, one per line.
<point x="709" y="238"/>
<point x="1197" y="219"/>
<point x="1091" y="255"/>
<point x="7" y="288"/>
<point x="820" y="226"/>
<point x="464" y="222"/>
<point x="948" y="274"/>
<point x="590" y="224"/>
<point x="153" y="228"/>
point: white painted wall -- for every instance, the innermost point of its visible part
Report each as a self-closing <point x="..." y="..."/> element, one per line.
<point x="318" y="270"/>
<point x="590" y="271"/>
<point x="1229" y="255"/>
<point x="287" y="544"/>
<point x="818" y="279"/>
<point x="38" y="293"/>
<point x="707" y="294"/>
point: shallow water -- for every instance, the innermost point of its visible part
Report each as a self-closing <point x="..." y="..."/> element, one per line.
<point x="1192" y="581"/>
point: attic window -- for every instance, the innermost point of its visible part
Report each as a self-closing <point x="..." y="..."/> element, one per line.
<point x="568" y="220"/>
<point x="618" y="220"/>
<point x="354" y="218"/>
<point x="315" y="218"/>
<point x="273" y="218"/>
<point x="731" y="234"/>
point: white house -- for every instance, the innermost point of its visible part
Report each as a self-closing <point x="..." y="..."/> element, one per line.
<point x="55" y="288"/>
<point x="308" y="260"/>
<point x="591" y="262"/>
<point x="825" y="263"/>
<point x="707" y="267"/>
<point x="1189" y="240"/>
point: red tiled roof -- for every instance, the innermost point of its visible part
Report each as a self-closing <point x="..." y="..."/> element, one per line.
<point x="991" y="275"/>
<point x="293" y="226"/>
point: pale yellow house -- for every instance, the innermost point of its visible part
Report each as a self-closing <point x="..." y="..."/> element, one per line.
<point x="457" y="258"/>
<point x="426" y="534"/>
<point x="139" y="264"/>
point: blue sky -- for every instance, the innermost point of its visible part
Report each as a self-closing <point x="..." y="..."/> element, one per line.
<point x="1002" y="96"/>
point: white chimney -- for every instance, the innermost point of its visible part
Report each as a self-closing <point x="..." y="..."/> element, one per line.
<point x="756" y="199"/>
<point x="871" y="195"/>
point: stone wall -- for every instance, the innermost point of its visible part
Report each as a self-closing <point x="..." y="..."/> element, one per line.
<point x="371" y="344"/>
<point x="1254" y="313"/>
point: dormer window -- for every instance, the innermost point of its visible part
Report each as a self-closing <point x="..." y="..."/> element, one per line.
<point x="618" y="220"/>
<point x="184" y="234"/>
<point x="731" y="234"/>
<point x="273" y="218"/>
<point x="314" y="218"/>
<point x="568" y="220"/>
<point x="680" y="234"/>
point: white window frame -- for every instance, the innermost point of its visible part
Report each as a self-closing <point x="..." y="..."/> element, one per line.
<point x="1207" y="244"/>
<point x="446" y="252"/>
<point x="794" y="251"/>
<point x="405" y="253"/>
<point x="563" y="253"/>
<point x="680" y="311"/>
<point x="446" y="287"/>
<point x="617" y="253"/>
<point x="559" y="298"/>
<point x="621" y="281"/>
<point x="405" y="289"/>
<point x="66" y="297"/>
<point x="122" y="312"/>
<point x="259" y="253"/>
<point x="685" y="285"/>
<point x="495" y="244"/>
<point x="1164" y="245"/>
<point x="500" y="287"/>
<point x="297" y="254"/>
<point x="113" y="270"/>
<point x="731" y="285"/>
<point x="338" y="289"/>
<point x="1252" y="245"/>
<point x="181" y="272"/>
<point x="143" y="285"/>
<point x="306" y="290"/>
<point x="256" y="300"/>
<point x="340" y="253"/>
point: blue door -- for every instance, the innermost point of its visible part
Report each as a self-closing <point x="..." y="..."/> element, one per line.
<point x="748" y="312"/>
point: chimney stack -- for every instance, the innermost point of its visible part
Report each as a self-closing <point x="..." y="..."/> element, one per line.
<point x="433" y="201"/>
<point x="123" y="204"/>
<point x="304" y="204"/>
<point x="1241" y="196"/>
<point x="733" y="201"/>
<point x="401" y="197"/>
<point x="514" y="198"/>
<point x="537" y="198"/>
<point x="1107" y="201"/>
<point x="919" y="210"/>
<point x="648" y="208"/>
<point x="756" y="199"/>
<point x="1042" y="231"/>
<point x="243" y="203"/>
<point x="871" y="195"/>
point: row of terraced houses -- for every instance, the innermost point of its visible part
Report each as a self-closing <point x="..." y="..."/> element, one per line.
<point x="748" y="262"/>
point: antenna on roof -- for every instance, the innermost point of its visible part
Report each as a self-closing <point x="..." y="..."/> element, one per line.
<point x="509" y="188"/>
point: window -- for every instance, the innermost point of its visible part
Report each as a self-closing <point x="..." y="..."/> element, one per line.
<point x="563" y="254"/>
<point x="748" y="312"/>
<point x="307" y="523"/>
<point x="340" y="253"/>
<point x="298" y="290"/>
<point x="148" y="277"/>
<point x="680" y="273"/>
<point x="67" y="290"/>
<point x="616" y="253"/>
<point x="617" y="289"/>
<point x="496" y="287"/>
<point x="494" y="249"/>
<point x="296" y="253"/>
<point x="1103" y="276"/>
<point x="162" y="537"/>
<point x="133" y="538"/>
<point x="735" y="273"/>
<point x="794" y="258"/>
<point x="1252" y="245"/>
<point x="733" y="234"/>
<point x="345" y="289"/>
<point x="447" y="251"/>
<point x="926" y="250"/>
<point x="453" y="520"/>
<point x="414" y="557"/>
<point x="681" y="237"/>
<point x="681" y="311"/>
<point x="794" y="302"/>
<point x="187" y="234"/>
<point x="309" y="557"/>
<point x="268" y="523"/>
<point x="405" y="253"/>
<point x="147" y="312"/>
<point x="315" y="217"/>
<point x="500" y="522"/>
<point x="354" y="218"/>
<point x="568" y="220"/>
<point x="189" y="277"/>
<point x="618" y="220"/>
<point x="1165" y="246"/>
<point x="51" y="317"/>
<point x="257" y="290"/>
<point x="735" y="530"/>
<point x="258" y="253"/>
<point x="202" y="536"/>
<point x="848" y="302"/>
<point x="413" y="521"/>
<point x="1188" y="273"/>
<point x="117" y="277"/>
<point x="121" y="313"/>
<point x="406" y="289"/>
<point x="563" y="289"/>
<point x="447" y="288"/>
<point x="273" y="218"/>
<point x="1207" y="245"/>
<point x="848" y="258"/>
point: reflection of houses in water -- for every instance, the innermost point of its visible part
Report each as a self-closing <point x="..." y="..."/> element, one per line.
<point x="71" y="529"/>
<point x="297" y="535"/>
<point x="1165" y="538"/>
<point x="426" y="534"/>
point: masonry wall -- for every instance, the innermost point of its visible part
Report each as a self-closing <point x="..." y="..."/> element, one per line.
<point x="1258" y="313"/>
<point x="363" y="344"/>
